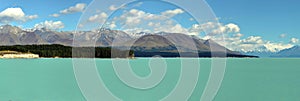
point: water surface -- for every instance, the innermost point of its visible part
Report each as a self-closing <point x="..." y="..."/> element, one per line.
<point x="245" y="80"/>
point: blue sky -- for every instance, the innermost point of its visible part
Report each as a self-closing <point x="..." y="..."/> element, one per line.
<point x="275" y="23"/>
<point x="43" y="8"/>
<point x="261" y="17"/>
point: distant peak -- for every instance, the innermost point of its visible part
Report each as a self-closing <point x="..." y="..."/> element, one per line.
<point x="295" y="47"/>
<point x="8" y="26"/>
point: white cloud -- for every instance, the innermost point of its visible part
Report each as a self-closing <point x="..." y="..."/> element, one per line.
<point x="74" y="9"/>
<point x="229" y="35"/>
<point x="99" y="18"/>
<point x="282" y="35"/>
<point x="142" y="21"/>
<point x="172" y="13"/>
<point x="238" y="35"/>
<point x="192" y="19"/>
<point x="136" y="5"/>
<point x="251" y="43"/>
<point x="113" y="7"/>
<point x="294" y="41"/>
<point x="275" y="47"/>
<point x="112" y="25"/>
<point x="80" y="25"/>
<point x="213" y="28"/>
<point x="53" y="25"/>
<point x="15" y="14"/>
<point x="55" y="15"/>
<point x="252" y="40"/>
<point x="150" y="24"/>
<point x="176" y="28"/>
<point x="32" y="17"/>
<point x="195" y="29"/>
<point x="232" y="27"/>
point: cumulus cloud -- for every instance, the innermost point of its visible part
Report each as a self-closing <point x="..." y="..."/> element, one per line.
<point x="79" y="7"/>
<point x="162" y="22"/>
<point x="191" y="19"/>
<point x="113" y="7"/>
<point x="229" y="35"/>
<point x="172" y="13"/>
<point x="136" y="21"/>
<point x="232" y="27"/>
<point x="74" y="9"/>
<point x="99" y="18"/>
<point x="55" y="15"/>
<point x="15" y="14"/>
<point x="282" y="35"/>
<point x="294" y="41"/>
<point x="53" y="25"/>
<point x="252" y="40"/>
<point x="276" y="47"/>
<point x="252" y="43"/>
<point x="112" y="25"/>
<point x="213" y="28"/>
<point x="238" y="35"/>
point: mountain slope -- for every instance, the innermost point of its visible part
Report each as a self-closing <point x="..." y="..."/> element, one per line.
<point x="291" y="52"/>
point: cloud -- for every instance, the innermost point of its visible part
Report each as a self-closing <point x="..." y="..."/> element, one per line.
<point x="238" y="35"/>
<point x="79" y="7"/>
<point x="172" y="13"/>
<point x="252" y="40"/>
<point x="252" y="44"/>
<point x="99" y="18"/>
<point x="162" y="22"/>
<point x="113" y="7"/>
<point x="232" y="27"/>
<point x="294" y="41"/>
<point x="213" y="28"/>
<point x="112" y="25"/>
<point x="135" y="5"/>
<point x="135" y="21"/>
<point x="282" y="35"/>
<point x="192" y="19"/>
<point x="229" y="35"/>
<point x="15" y="14"/>
<point x="30" y="17"/>
<point x="74" y="9"/>
<point x="276" y="47"/>
<point x="55" y="15"/>
<point x="53" y="25"/>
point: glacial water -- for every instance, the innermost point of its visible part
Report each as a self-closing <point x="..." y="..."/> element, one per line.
<point x="245" y="80"/>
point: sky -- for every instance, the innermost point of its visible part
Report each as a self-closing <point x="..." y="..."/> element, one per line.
<point x="248" y="25"/>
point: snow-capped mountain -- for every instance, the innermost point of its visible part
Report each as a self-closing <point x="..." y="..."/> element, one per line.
<point x="291" y="52"/>
<point x="163" y="41"/>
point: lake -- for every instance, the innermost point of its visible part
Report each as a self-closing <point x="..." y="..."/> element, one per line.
<point x="263" y="79"/>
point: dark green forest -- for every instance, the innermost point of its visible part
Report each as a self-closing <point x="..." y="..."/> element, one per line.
<point x="56" y="50"/>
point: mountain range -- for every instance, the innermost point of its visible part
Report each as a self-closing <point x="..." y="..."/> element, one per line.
<point x="291" y="52"/>
<point x="162" y="42"/>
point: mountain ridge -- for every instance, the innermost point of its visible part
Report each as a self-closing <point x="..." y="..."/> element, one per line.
<point x="290" y="52"/>
<point x="157" y="42"/>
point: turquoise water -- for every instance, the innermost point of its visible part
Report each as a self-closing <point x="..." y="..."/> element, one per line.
<point x="245" y="80"/>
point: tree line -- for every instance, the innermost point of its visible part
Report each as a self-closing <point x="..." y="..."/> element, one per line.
<point x="56" y="50"/>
